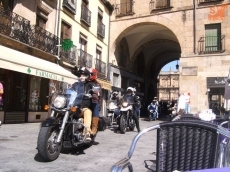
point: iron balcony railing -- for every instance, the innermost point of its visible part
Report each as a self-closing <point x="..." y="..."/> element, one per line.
<point x="43" y="40"/>
<point x="124" y="9"/>
<point x="69" y="56"/>
<point x="19" y="28"/>
<point x="205" y="1"/>
<point x="70" y="5"/>
<point x="100" y="29"/>
<point x="159" y="4"/>
<point x="212" y="44"/>
<point x="85" y="15"/>
<point x="84" y="59"/>
<point x="14" y="26"/>
<point x="101" y="67"/>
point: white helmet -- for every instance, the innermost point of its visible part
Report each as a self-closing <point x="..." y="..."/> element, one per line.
<point x="134" y="90"/>
<point x="130" y="88"/>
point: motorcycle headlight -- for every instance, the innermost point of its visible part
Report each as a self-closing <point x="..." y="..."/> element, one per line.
<point x="125" y="104"/>
<point x="59" y="102"/>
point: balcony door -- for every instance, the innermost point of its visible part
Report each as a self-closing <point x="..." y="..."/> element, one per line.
<point x="212" y="37"/>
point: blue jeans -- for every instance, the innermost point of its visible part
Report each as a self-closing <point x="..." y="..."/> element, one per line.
<point x="116" y="112"/>
<point x="95" y="109"/>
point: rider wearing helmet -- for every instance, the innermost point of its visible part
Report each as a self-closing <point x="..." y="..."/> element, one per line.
<point x="90" y="101"/>
<point x="130" y="91"/>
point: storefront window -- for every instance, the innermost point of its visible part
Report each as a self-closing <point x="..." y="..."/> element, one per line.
<point x="38" y="93"/>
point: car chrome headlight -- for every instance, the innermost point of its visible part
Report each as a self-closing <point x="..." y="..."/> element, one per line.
<point x="59" y="102"/>
<point x="125" y="104"/>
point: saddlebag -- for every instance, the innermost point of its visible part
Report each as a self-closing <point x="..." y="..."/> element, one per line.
<point x="103" y="123"/>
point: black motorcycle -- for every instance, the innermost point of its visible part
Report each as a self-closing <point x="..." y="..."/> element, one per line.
<point x="125" y="119"/>
<point x="64" y="129"/>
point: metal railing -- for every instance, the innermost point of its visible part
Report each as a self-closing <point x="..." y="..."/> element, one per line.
<point x="84" y="59"/>
<point x="69" y="6"/>
<point x="14" y="26"/>
<point x="204" y="1"/>
<point x="100" y="29"/>
<point x="19" y="28"/>
<point x="43" y="40"/>
<point x="85" y="15"/>
<point x="101" y="67"/>
<point x="211" y="44"/>
<point x="124" y="9"/>
<point x="69" y="56"/>
<point x="159" y="4"/>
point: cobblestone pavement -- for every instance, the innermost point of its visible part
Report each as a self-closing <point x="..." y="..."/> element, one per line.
<point x="18" y="151"/>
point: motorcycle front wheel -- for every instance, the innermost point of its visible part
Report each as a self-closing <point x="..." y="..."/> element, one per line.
<point x="47" y="146"/>
<point x="122" y="125"/>
<point x="131" y="124"/>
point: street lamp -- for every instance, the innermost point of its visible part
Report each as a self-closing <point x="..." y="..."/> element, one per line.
<point x="177" y="66"/>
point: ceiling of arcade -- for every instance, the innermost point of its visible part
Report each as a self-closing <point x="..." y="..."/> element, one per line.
<point x="152" y="46"/>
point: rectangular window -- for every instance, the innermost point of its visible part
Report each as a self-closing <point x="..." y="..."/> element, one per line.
<point x="126" y="6"/>
<point x="83" y="42"/>
<point x="213" y="37"/>
<point x="137" y="86"/>
<point x="98" y="52"/>
<point x="66" y="30"/>
<point x="115" y="80"/>
<point x="38" y="92"/>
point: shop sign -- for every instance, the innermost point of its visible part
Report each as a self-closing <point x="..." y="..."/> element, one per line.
<point x="104" y="84"/>
<point x="45" y="74"/>
<point x="67" y="44"/>
<point x="217" y="12"/>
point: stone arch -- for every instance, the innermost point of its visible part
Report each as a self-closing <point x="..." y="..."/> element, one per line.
<point x="156" y="20"/>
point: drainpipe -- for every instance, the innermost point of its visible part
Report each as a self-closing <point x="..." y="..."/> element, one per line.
<point x="56" y="28"/>
<point x="194" y="26"/>
<point x="108" y="68"/>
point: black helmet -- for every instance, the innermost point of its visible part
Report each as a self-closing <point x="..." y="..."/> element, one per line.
<point x="83" y="71"/>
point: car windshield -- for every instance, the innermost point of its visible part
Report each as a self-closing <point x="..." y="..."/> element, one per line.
<point x="75" y="93"/>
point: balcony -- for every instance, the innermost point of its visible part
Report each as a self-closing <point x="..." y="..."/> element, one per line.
<point x="14" y="26"/>
<point x="85" y="15"/>
<point x="157" y="5"/>
<point x="69" y="56"/>
<point x="100" y="29"/>
<point x="211" y="44"/>
<point x="70" y="5"/>
<point x="101" y="68"/>
<point x="124" y="9"/>
<point x="19" y="28"/>
<point x="84" y="59"/>
<point x="207" y="1"/>
<point x="43" y="40"/>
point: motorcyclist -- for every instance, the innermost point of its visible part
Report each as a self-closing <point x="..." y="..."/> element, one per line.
<point x="87" y="103"/>
<point x="157" y="106"/>
<point x="96" y="99"/>
<point x="137" y="102"/>
<point x="152" y="108"/>
<point x="130" y="92"/>
<point x="115" y="99"/>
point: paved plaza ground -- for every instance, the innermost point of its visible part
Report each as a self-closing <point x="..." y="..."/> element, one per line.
<point x="18" y="151"/>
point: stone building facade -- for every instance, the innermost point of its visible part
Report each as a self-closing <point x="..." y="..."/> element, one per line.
<point x="168" y="86"/>
<point x="43" y="41"/>
<point x="146" y="35"/>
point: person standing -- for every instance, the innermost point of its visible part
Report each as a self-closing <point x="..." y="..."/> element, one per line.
<point x="157" y="105"/>
<point x="181" y="104"/>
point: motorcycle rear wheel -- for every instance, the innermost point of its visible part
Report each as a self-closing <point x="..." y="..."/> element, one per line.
<point x="110" y="120"/>
<point x="47" y="146"/>
<point x="122" y="125"/>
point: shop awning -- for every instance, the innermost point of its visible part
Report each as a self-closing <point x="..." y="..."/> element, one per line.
<point x="24" y="63"/>
<point x="104" y="84"/>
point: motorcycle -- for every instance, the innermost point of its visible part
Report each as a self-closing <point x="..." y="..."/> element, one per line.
<point x="64" y="129"/>
<point x="125" y="119"/>
<point x="152" y="115"/>
<point x="110" y="112"/>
